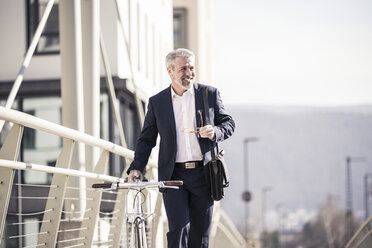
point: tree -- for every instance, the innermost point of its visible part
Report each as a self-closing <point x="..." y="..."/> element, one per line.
<point x="269" y="239"/>
<point x="328" y="229"/>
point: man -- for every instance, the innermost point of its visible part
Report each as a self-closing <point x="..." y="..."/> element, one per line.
<point x="177" y="115"/>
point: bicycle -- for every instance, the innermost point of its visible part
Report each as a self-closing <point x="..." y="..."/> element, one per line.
<point x="138" y="216"/>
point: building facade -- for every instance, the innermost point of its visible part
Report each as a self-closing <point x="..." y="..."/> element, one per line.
<point x="67" y="70"/>
<point x="142" y="26"/>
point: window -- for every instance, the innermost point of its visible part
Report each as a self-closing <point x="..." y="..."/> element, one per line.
<point x="29" y="137"/>
<point x="40" y="147"/>
<point x="49" y="39"/>
<point x="139" y="38"/>
<point x="180" y="28"/>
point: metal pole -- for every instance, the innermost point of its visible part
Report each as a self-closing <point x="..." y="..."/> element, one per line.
<point x="72" y="92"/>
<point x="279" y="210"/>
<point x="263" y="206"/>
<point x="349" y="196"/>
<point x="367" y="193"/>
<point x="246" y="194"/>
<point x="366" y="196"/>
<point x="91" y="76"/>
<point x="112" y="96"/>
<point x="246" y="180"/>
<point x="111" y="90"/>
<point x="349" y="201"/>
<point x="20" y="207"/>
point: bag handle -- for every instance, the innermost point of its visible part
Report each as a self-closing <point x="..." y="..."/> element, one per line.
<point x="206" y="112"/>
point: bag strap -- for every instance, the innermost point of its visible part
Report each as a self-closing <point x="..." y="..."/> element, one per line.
<point x="213" y="154"/>
<point x="206" y="111"/>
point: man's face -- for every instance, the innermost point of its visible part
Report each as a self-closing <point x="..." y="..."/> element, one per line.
<point x="183" y="73"/>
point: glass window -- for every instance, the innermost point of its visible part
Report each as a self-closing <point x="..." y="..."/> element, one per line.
<point x="29" y="135"/>
<point x="131" y="124"/>
<point x="31" y="226"/>
<point x="49" y="40"/>
<point x="104" y="119"/>
<point x="41" y="147"/>
<point x="180" y="28"/>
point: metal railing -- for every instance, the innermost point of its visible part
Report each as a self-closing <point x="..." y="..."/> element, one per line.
<point x="100" y="221"/>
<point x="363" y="237"/>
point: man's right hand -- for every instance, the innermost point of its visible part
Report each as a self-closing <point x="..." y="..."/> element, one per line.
<point x="135" y="175"/>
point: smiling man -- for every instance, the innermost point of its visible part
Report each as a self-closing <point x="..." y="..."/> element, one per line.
<point x="177" y="115"/>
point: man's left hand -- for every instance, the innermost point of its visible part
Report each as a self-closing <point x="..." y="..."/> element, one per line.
<point x="207" y="132"/>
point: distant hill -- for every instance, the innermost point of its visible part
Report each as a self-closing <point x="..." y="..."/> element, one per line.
<point x="301" y="155"/>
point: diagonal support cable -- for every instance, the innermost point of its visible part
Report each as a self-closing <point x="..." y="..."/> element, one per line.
<point x="110" y="85"/>
<point x="27" y="58"/>
<point x="140" y="111"/>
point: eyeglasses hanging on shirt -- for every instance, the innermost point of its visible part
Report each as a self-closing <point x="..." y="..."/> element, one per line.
<point x="184" y="130"/>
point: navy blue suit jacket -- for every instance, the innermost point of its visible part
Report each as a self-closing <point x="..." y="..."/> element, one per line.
<point x="160" y="120"/>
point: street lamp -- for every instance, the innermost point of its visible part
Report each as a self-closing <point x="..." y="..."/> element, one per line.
<point x="247" y="196"/>
<point x="280" y="212"/>
<point x="349" y="195"/>
<point x="367" y="193"/>
<point x="263" y="206"/>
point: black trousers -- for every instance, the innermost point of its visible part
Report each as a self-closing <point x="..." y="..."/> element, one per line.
<point x="189" y="210"/>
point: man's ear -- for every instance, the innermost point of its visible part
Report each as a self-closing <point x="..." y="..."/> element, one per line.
<point x="169" y="70"/>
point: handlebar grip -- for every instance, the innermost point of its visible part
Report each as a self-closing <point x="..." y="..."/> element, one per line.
<point x="101" y="185"/>
<point x="173" y="183"/>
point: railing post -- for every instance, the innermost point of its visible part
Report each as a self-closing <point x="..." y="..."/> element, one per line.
<point x="158" y="225"/>
<point x="158" y="220"/>
<point x="56" y="191"/>
<point x="214" y="225"/>
<point x="92" y="207"/>
<point x="118" y="217"/>
<point x="72" y="91"/>
<point x="9" y="151"/>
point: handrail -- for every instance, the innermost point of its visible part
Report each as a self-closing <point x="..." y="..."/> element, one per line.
<point x="224" y="225"/>
<point x="50" y="169"/>
<point x="360" y="232"/>
<point x="53" y="128"/>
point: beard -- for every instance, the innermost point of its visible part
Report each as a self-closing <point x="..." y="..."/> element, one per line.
<point x="184" y="82"/>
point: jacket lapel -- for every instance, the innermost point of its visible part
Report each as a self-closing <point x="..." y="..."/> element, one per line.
<point x="168" y="108"/>
<point x="199" y="105"/>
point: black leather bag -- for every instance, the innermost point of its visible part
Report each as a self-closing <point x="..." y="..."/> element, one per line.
<point x="218" y="174"/>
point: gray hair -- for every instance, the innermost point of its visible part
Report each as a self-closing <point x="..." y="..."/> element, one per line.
<point x="180" y="52"/>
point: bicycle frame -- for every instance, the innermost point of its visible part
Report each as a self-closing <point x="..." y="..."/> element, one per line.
<point x="139" y="211"/>
<point x="139" y="218"/>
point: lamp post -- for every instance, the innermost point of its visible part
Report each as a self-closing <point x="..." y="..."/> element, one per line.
<point x="367" y="193"/>
<point x="349" y="196"/>
<point x="263" y="206"/>
<point x="246" y="194"/>
<point x="280" y="212"/>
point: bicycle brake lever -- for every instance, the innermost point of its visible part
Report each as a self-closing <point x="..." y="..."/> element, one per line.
<point x="114" y="185"/>
<point x="171" y="187"/>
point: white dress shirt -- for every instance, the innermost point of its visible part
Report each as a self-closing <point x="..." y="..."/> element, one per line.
<point x="188" y="148"/>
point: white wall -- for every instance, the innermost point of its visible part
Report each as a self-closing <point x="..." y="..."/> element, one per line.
<point x="13" y="32"/>
<point x="156" y="15"/>
<point x="149" y="28"/>
<point x="200" y="31"/>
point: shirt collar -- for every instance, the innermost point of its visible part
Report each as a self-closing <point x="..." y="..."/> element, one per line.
<point x="191" y="91"/>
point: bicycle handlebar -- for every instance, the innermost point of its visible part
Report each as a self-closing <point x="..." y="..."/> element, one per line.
<point x="173" y="183"/>
<point x="138" y="185"/>
<point x="102" y="185"/>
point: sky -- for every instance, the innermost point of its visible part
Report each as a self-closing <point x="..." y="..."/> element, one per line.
<point x="291" y="52"/>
